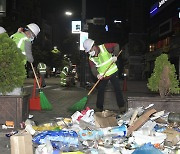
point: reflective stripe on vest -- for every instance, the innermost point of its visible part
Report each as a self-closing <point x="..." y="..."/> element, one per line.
<point x="63" y="76"/>
<point x="103" y="60"/>
<point x="64" y="72"/>
<point x="19" y="39"/>
<point x="66" y="68"/>
<point x="42" y="68"/>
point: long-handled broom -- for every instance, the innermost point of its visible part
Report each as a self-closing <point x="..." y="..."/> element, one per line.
<point x="45" y="104"/>
<point x="81" y="104"/>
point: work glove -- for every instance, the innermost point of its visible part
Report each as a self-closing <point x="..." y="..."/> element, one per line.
<point x="20" y="29"/>
<point x="114" y="59"/>
<point x="100" y="77"/>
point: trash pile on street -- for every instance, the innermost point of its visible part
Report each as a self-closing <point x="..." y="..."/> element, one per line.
<point x="140" y="130"/>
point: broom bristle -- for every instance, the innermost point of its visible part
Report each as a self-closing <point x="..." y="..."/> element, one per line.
<point x="45" y="104"/>
<point x="79" y="105"/>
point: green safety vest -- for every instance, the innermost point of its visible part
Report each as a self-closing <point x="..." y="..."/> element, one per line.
<point x="64" y="71"/>
<point x="42" y="68"/>
<point x="55" y="51"/>
<point x="63" y="76"/>
<point x="19" y="39"/>
<point x="103" y="60"/>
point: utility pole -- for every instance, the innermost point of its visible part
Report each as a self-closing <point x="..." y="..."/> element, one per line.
<point x="82" y="70"/>
<point x="84" y="66"/>
<point x="83" y="14"/>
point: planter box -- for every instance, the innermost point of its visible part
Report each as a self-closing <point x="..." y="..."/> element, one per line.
<point x="14" y="108"/>
<point x="169" y="104"/>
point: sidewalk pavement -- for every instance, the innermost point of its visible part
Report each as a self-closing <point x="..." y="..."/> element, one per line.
<point x="62" y="98"/>
<point x="133" y="87"/>
<point x="66" y="97"/>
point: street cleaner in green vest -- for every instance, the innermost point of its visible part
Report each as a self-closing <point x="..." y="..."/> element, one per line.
<point x="65" y="71"/>
<point x="63" y="76"/>
<point x="100" y="57"/>
<point x="24" y="38"/>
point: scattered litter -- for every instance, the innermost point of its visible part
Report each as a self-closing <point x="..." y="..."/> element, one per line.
<point x="30" y="130"/>
<point x="150" y="105"/>
<point x="147" y="149"/>
<point x="11" y="133"/>
<point x="21" y="143"/>
<point x="140" y="129"/>
<point x="141" y="137"/>
<point x="30" y="116"/>
<point x="9" y="124"/>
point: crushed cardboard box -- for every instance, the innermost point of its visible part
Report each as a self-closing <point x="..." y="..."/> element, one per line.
<point x="173" y="137"/>
<point x="21" y="143"/>
<point x="140" y="121"/>
<point x="105" y="119"/>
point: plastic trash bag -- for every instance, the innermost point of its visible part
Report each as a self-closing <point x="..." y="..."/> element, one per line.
<point x="44" y="148"/>
<point x="58" y="139"/>
<point x="147" y="149"/>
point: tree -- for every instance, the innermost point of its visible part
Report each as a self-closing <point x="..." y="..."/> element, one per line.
<point x="12" y="69"/>
<point x="164" y="79"/>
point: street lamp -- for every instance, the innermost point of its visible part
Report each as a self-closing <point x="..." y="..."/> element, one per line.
<point x="68" y="13"/>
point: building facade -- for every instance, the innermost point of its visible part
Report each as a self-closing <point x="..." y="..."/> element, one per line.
<point x="164" y="33"/>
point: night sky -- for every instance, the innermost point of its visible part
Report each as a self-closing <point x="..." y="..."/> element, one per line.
<point x="109" y="9"/>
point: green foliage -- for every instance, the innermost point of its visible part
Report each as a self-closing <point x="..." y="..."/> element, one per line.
<point x="12" y="69"/>
<point x="154" y="80"/>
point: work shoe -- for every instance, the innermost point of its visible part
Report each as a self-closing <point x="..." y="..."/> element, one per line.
<point x="122" y="109"/>
<point x="98" y="110"/>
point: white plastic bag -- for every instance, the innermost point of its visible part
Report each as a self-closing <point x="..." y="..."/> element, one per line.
<point x="44" y="148"/>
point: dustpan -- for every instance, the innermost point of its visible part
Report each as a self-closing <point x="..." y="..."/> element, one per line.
<point x="44" y="102"/>
<point x="34" y="103"/>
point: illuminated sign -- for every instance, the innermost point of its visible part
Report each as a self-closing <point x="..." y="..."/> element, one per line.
<point x="162" y="2"/>
<point x="83" y="37"/>
<point x="106" y="28"/>
<point x="158" y="6"/>
<point x="76" y="26"/>
<point x="154" y="9"/>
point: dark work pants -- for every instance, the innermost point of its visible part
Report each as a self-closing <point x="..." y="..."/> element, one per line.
<point x="43" y="83"/>
<point x="101" y="89"/>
